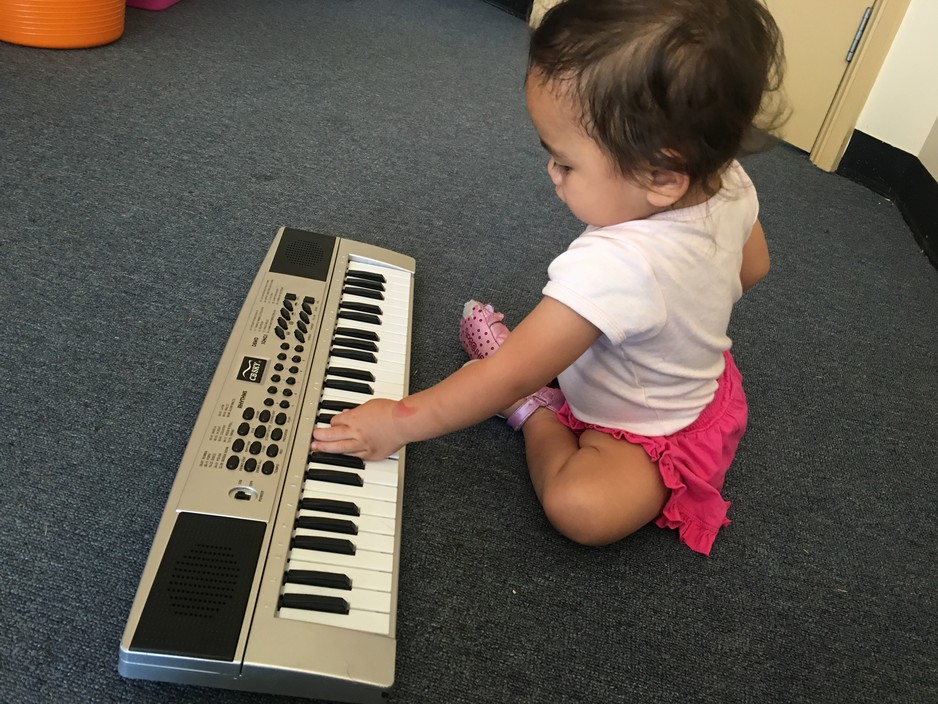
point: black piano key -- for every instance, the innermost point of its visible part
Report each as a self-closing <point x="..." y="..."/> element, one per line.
<point x="355" y="343"/>
<point x="363" y="292"/>
<point x="330" y="525"/>
<point x="361" y="334"/>
<point x="350" y="373"/>
<point x="361" y="307"/>
<point x="333" y="405"/>
<point x="333" y="476"/>
<point x="336" y="460"/>
<point x="366" y="275"/>
<point x="364" y="283"/>
<point x="343" y="508"/>
<point x="315" y="578"/>
<point x="314" y="602"/>
<point x="360" y="317"/>
<point x="360" y="355"/>
<point x="353" y="386"/>
<point x="325" y="418"/>
<point x="340" y="546"/>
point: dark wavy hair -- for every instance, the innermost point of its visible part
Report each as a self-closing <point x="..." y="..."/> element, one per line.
<point x="683" y="85"/>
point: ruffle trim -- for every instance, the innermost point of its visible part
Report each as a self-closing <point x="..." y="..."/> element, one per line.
<point x="694" y="533"/>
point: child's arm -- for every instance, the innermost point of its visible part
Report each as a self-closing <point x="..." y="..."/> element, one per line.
<point x="546" y="342"/>
<point x="755" y="258"/>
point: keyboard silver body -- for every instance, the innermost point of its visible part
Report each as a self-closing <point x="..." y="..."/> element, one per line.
<point x="211" y="607"/>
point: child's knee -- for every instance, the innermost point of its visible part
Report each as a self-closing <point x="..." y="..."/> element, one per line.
<point x="574" y="513"/>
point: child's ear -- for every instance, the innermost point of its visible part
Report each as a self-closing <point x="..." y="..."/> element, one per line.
<point x="667" y="187"/>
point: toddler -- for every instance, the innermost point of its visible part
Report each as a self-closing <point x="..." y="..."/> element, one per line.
<point x="642" y="107"/>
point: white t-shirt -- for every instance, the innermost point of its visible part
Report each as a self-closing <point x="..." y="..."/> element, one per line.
<point x="661" y="291"/>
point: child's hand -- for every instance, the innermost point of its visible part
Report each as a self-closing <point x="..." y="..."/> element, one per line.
<point x="366" y="432"/>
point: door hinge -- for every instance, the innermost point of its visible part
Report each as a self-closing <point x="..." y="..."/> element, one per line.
<point x="856" y="38"/>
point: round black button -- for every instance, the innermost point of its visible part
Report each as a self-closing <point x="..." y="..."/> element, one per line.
<point x="232" y="462"/>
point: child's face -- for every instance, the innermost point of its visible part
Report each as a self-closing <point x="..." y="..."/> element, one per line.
<point x="583" y="175"/>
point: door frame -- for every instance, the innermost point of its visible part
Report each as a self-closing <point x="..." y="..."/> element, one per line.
<point x="858" y="80"/>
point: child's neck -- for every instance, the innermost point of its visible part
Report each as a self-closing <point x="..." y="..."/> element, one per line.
<point x="700" y="193"/>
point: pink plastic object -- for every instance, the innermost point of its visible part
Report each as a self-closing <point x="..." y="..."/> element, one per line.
<point x="151" y="4"/>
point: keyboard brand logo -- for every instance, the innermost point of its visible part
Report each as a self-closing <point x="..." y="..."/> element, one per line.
<point x="252" y="369"/>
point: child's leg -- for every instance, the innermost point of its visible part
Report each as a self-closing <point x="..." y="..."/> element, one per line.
<point x="594" y="489"/>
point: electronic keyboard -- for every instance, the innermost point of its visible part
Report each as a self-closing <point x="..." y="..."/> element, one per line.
<point x="274" y="569"/>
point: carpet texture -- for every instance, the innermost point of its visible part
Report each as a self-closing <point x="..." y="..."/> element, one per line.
<point x="140" y="186"/>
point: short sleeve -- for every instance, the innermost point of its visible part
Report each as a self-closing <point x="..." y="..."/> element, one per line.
<point x="610" y="283"/>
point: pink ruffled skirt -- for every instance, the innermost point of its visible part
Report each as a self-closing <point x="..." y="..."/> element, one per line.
<point x="693" y="462"/>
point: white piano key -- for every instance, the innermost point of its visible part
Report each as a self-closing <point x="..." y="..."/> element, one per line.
<point x="391" y="295"/>
<point x="397" y="276"/>
<point x="373" y="473"/>
<point x="361" y="579"/>
<point x="373" y="491"/>
<point x="391" y="312"/>
<point x="373" y="542"/>
<point x="391" y="327"/>
<point x="381" y="486"/>
<point x="363" y="559"/>
<point x="379" y="389"/>
<point x="387" y="355"/>
<point x="366" y="524"/>
<point x="388" y="373"/>
<point x="370" y="621"/>
<point x="358" y="599"/>
<point x="352" y="397"/>
<point x="367" y="507"/>
<point x="378" y="471"/>
<point x="388" y="272"/>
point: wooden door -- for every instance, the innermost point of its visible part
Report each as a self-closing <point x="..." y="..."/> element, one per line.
<point x="817" y="37"/>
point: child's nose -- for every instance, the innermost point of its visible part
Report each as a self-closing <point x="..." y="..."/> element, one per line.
<point x="553" y="171"/>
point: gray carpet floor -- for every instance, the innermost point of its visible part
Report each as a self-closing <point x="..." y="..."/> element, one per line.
<point x="140" y="186"/>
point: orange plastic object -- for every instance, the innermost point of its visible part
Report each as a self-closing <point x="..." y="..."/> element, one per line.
<point x="62" y="24"/>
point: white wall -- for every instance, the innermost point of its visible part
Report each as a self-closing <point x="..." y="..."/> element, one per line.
<point x="902" y="109"/>
<point x="929" y="153"/>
